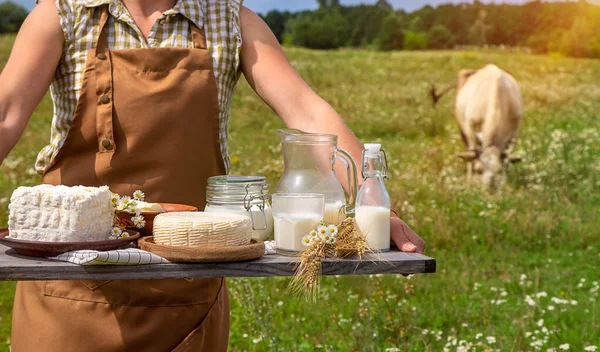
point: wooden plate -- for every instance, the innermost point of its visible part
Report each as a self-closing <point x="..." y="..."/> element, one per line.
<point x="52" y="249"/>
<point x="202" y="254"/>
<point x="125" y="218"/>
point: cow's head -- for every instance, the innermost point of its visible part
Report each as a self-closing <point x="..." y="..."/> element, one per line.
<point x="489" y="165"/>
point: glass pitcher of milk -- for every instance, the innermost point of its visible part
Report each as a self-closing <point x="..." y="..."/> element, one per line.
<point x="309" y="159"/>
<point x="373" y="200"/>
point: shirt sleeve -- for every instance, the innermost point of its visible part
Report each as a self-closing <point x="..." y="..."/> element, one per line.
<point x="64" y="8"/>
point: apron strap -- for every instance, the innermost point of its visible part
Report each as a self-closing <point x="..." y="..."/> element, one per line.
<point x="102" y="44"/>
<point x="104" y="91"/>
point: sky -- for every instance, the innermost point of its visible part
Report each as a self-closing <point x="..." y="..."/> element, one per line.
<point x="263" y="6"/>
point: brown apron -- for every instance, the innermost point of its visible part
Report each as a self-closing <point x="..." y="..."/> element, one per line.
<point x="146" y="119"/>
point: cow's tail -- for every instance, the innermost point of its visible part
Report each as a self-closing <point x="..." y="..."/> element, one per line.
<point x="435" y="96"/>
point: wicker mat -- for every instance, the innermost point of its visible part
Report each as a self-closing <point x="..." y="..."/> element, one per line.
<point x="202" y="254"/>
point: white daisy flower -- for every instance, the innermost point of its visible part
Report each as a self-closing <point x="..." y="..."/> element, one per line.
<point x="138" y="221"/>
<point x="314" y="234"/>
<point x="564" y="346"/>
<point x="307" y="241"/>
<point x="327" y="238"/>
<point x="124" y="203"/>
<point x="322" y="231"/>
<point x="125" y="235"/>
<point x="591" y="348"/>
<point x="332" y="230"/>
<point x="139" y="195"/>
<point x="114" y="198"/>
<point x="491" y="339"/>
<point x="116" y="231"/>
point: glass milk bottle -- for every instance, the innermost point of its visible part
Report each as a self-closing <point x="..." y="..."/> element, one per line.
<point x="373" y="200"/>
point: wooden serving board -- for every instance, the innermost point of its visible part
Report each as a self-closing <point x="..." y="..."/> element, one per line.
<point x="15" y="267"/>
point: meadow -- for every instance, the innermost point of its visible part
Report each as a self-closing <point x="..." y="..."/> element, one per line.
<point x="518" y="270"/>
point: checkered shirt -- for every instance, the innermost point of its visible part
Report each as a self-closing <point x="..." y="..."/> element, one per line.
<point x="80" y="20"/>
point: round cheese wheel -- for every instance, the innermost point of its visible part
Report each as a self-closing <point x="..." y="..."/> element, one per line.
<point x="202" y="229"/>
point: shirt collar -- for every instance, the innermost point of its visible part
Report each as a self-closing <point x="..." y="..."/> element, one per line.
<point x="191" y="9"/>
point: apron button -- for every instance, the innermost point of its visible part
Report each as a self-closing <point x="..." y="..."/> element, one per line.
<point x="101" y="56"/>
<point x="107" y="144"/>
<point x="104" y="99"/>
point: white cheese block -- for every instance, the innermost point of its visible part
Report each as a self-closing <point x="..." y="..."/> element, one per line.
<point x="202" y="229"/>
<point x="60" y="213"/>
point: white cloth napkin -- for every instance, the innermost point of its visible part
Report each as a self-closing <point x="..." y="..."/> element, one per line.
<point x="129" y="256"/>
<point x="270" y="247"/>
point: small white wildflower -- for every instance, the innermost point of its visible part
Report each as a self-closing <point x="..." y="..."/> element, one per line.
<point x="478" y="336"/>
<point x="537" y="344"/>
<point x="125" y="235"/>
<point x="332" y="230"/>
<point x="322" y="231"/>
<point x="491" y="340"/>
<point x="559" y="300"/>
<point x="541" y="294"/>
<point x="257" y="340"/>
<point x="392" y="349"/>
<point x="245" y="336"/>
<point x="424" y="331"/>
<point x="564" y="347"/>
<point x="591" y="348"/>
<point x="528" y="333"/>
<point x="540" y="322"/>
<point x="114" y="198"/>
<point x="139" y="195"/>
<point x="529" y="300"/>
<point x="116" y="231"/>
<point x="550" y="307"/>
<point x="138" y="221"/>
<point x="503" y="294"/>
<point x="573" y="302"/>
<point x="314" y="234"/>
<point x="465" y="325"/>
<point x="307" y="241"/>
<point x="280" y="303"/>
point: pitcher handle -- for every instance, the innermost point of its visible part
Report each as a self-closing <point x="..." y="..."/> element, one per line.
<point x="352" y="179"/>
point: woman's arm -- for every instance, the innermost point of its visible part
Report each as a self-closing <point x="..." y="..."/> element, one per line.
<point x="270" y="74"/>
<point x="28" y="72"/>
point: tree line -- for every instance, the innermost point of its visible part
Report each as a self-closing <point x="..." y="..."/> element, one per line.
<point x="568" y="28"/>
<point x="11" y="17"/>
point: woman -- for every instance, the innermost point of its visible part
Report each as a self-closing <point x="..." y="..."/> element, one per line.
<point x="142" y="90"/>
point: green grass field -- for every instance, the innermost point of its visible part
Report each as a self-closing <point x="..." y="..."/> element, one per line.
<point x="517" y="271"/>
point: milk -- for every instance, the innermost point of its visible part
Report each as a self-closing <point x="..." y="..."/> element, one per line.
<point x="289" y="230"/>
<point x="374" y="223"/>
<point x="333" y="215"/>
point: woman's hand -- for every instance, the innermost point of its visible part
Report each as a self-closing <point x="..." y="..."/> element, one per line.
<point x="28" y="72"/>
<point x="404" y="237"/>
